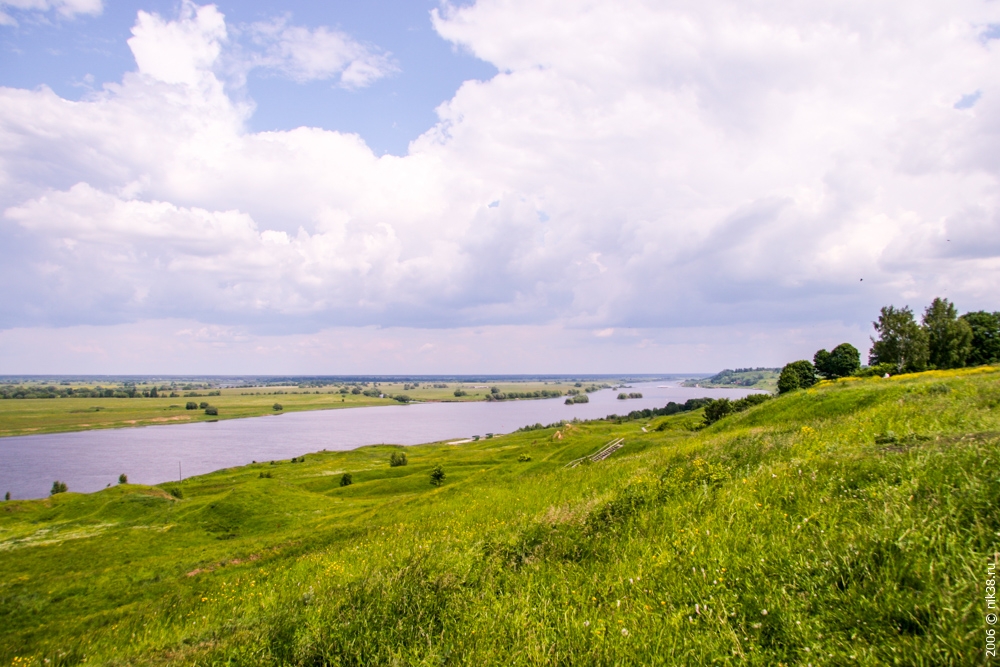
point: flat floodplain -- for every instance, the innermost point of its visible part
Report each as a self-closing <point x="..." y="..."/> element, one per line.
<point x="850" y="523"/>
<point x="56" y="415"/>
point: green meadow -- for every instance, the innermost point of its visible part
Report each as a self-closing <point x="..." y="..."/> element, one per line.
<point x="847" y="524"/>
<point x="31" y="416"/>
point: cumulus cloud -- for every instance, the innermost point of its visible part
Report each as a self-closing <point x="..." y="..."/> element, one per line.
<point x="632" y="165"/>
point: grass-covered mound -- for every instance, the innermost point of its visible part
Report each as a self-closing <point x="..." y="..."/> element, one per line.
<point x="850" y="523"/>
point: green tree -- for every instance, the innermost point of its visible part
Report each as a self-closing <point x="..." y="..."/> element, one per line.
<point x="277" y="407"/>
<point x="795" y="375"/>
<point x="949" y="339"/>
<point x="985" y="328"/>
<point x="842" y="361"/>
<point x="123" y="478"/>
<point x="716" y="410"/>
<point x="58" y="487"/>
<point x="901" y="342"/>
<point x="346" y="479"/>
<point x="397" y="459"/>
<point x="437" y="475"/>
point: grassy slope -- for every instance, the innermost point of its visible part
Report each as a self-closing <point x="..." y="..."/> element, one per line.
<point x="54" y="415"/>
<point x="670" y="551"/>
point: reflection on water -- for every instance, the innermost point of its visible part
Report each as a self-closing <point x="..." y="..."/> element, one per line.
<point x="90" y="460"/>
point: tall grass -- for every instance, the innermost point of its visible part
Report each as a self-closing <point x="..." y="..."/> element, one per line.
<point x="781" y="535"/>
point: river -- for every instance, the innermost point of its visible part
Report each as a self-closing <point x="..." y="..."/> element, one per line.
<point x="90" y="460"/>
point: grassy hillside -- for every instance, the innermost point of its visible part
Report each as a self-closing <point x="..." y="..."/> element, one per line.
<point x="756" y="378"/>
<point x="850" y="523"/>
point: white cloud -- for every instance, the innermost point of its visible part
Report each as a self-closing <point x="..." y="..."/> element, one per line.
<point x="318" y="54"/>
<point x="64" y="8"/>
<point x="633" y="165"/>
<point x="181" y="51"/>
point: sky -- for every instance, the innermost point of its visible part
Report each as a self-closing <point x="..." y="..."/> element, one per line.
<point x="497" y="186"/>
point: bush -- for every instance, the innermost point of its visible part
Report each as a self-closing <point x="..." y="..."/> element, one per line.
<point x="58" y="487"/>
<point x="346" y="479"/>
<point x="203" y="405"/>
<point x="7" y="496"/>
<point x="523" y="458"/>
<point x="277" y="407"/>
<point x="796" y="375"/>
<point x="842" y="361"/>
<point x="191" y="405"/>
<point x="878" y="370"/>
<point x="437" y="475"/>
<point x="716" y="410"/>
<point x="123" y="478"/>
<point x="397" y="459"/>
<point x="402" y="398"/>
<point x="266" y="475"/>
<point x="175" y="491"/>
<point x="211" y="410"/>
<point x="459" y="392"/>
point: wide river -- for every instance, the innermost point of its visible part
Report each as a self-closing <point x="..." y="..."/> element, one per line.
<point x="90" y="460"/>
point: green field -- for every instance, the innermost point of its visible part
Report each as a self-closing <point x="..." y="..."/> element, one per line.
<point x="847" y="524"/>
<point x="53" y="415"/>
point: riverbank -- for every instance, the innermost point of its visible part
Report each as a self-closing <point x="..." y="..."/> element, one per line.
<point x="849" y="522"/>
<point x="28" y="416"/>
<point x="91" y="459"/>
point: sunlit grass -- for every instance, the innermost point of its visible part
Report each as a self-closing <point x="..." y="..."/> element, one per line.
<point x="782" y="535"/>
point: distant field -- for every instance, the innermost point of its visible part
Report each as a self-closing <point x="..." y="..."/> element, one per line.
<point x="52" y="415"/>
<point x="847" y="524"/>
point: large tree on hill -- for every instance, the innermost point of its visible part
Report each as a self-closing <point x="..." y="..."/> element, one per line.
<point x="901" y="341"/>
<point x="842" y="361"/>
<point x="985" y="337"/>
<point x="949" y="339"/>
<point x="797" y="374"/>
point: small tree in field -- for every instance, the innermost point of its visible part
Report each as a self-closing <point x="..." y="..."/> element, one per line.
<point x="985" y="337"/>
<point x="716" y="410"/>
<point x="58" y="487"/>
<point x="346" y="479"/>
<point x="397" y="459"/>
<point x="949" y="338"/>
<point x="842" y="361"/>
<point x="901" y="342"/>
<point x="798" y="374"/>
<point x="437" y="475"/>
<point x="123" y="478"/>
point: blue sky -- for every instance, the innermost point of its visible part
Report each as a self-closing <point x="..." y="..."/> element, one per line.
<point x="510" y="186"/>
<point x="78" y="55"/>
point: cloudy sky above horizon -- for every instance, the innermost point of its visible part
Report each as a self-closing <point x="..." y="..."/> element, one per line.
<point x="493" y="186"/>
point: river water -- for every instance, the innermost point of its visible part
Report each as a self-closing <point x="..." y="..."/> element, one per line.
<point x="90" y="460"/>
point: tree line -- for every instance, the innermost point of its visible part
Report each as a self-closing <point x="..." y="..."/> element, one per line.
<point x="942" y="339"/>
